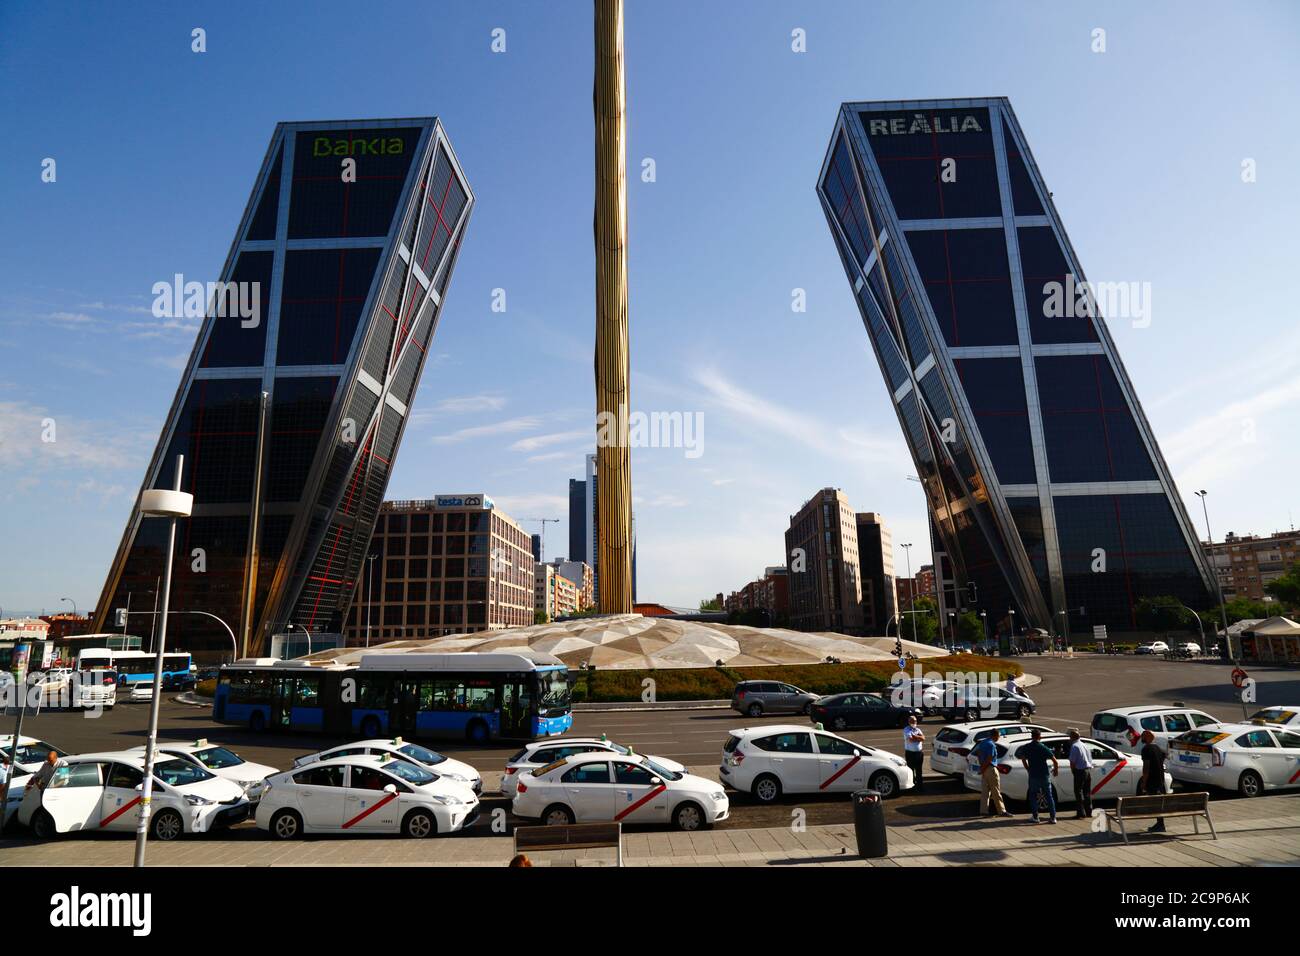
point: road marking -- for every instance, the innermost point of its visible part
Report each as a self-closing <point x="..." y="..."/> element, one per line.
<point x="649" y="796"/>
<point x="365" y="813"/>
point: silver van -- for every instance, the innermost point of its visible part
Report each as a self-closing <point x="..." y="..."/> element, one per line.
<point x="758" y="697"/>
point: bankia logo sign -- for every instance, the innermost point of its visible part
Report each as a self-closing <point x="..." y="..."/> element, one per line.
<point x="912" y="124"/>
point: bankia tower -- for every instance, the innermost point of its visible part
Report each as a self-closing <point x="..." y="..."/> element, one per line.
<point x="292" y="406"/>
<point x="1050" y="503"/>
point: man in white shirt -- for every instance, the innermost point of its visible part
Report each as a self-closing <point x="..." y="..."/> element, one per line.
<point x="1081" y="768"/>
<point x="914" y="750"/>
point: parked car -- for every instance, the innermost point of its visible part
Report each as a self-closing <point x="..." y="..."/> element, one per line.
<point x="860" y="710"/>
<point x="141" y="692"/>
<point x="225" y="763"/>
<point x="1287" y="715"/>
<point x="1152" y="647"/>
<point x="988" y="702"/>
<point x="1243" y="757"/>
<point x="438" y="764"/>
<point x="953" y="744"/>
<point x="773" y="760"/>
<point x="1122" y="727"/>
<point x="539" y="753"/>
<point x="31" y="752"/>
<point x="1189" y="648"/>
<point x="758" y="697"/>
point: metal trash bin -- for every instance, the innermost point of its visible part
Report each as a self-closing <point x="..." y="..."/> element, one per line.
<point x="869" y="824"/>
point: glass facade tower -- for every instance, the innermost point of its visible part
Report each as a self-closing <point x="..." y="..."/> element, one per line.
<point x="347" y="243"/>
<point x="1047" y="491"/>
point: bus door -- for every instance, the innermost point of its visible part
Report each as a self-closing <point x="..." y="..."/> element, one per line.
<point x="403" y="705"/>
<point x="281" y="702"/>
<point x="516" y="706"/>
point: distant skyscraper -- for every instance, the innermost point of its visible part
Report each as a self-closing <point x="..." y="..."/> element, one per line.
<point x="876" y="559"/>
<point x="577" y="520"/>
<point x="825" y="580"/>
<point x="349" y="239"/>
<point x="537" y="547"/>
<point x="1047" y="489"/>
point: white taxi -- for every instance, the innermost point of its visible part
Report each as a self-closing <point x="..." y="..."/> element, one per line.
<point x="364" y="794"/>
<point x="94" y="792"/>
<point x="604" y="787"/>
<point x="1114" y="774"/>
<point x="439" y="764"/>
<point x="1287" y="715"/>
<point x="539" y="753"/>
<point x="1247" y="758"/>
<point x="1122" y="727"/>
<point x="224" y="763"/>
<point x="786" y="758"/>
<point x="18" y="782"/>
<point x="31" y="752"/>
<point x="953" y="744"/>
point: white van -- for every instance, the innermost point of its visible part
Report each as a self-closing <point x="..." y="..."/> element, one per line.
<point x="94" y="688"/>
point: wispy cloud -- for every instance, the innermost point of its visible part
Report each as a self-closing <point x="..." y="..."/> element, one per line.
<point x="509" y="426"/>
<point x="469" y="403"/>
<point x="534" y="442"/>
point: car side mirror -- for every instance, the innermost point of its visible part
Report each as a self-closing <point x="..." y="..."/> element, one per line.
<point x="656" y="781"/>
<point x="391" y="788"/>
<point x="857" y="753"/>
<point x="139" y="788"/>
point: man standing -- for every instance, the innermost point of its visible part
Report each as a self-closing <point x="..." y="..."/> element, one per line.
<point x="1153" y="773"/>
<point x="914" y="750"/>
<point x="1034" y="756"/>
<point x="986" y="751"/>
<point x="1081" y="768"/>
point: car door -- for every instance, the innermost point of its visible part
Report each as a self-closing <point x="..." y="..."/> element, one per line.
<point x="839" y="764"/>
<point x="787" y="698"/>
<point x="1114" y="774"/>
<point x="74" y="795"/>
<point x="873" y="712"/>
<point x="795" y="762"/>
<point x="120" y="807"/>
<point x="589" y="791"/>
<point x="1290" y="775"/>
<point x="639" y="796"/>
<point x="320" y="793"/>
<point x="369" y="805"/>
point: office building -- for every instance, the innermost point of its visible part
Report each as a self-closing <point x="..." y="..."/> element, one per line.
<point x="876" y="563"/>
<point x="340" y="266"/>
<point x="1047" y="490"/>
<point x="1246" y="563"/>
<point x="537" y="547"/>
<point x="580" y="575"/>
<point x="577" y="519"/>
<point x="554" y="595"/>
<point x="825" y="581"/>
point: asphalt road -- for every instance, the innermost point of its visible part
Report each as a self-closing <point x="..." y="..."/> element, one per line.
<point x="1071" y="691"/>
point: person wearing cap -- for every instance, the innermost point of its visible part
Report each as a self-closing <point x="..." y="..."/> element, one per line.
<point x="1081" y="769"/>
<point x="914" y="750"/>
<point x="1153" y="773"/>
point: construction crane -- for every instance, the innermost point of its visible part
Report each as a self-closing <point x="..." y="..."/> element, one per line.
<point x="544" y="522"/>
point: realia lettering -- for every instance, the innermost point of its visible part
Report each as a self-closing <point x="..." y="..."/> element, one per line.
<point x="921" y="123"/>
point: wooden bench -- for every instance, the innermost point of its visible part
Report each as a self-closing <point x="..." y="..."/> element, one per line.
<point x="1192" y="805"/>
<point x="574" y="836"/>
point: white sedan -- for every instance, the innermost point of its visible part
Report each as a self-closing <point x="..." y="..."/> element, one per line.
<point x="17" y="789"/>
<point x="366" y="795"/>
<point x="93" y="792"/>
<point x="1287" y="715"/>
<point x="1152" y="647"/>
<point x="1247" y="758"/>
<point x="776" y="759"/>
<point x="249" y="776"/>
<point x="1114" y="774"/>
<point x="31" y="752"/>
<point x="952" y="744"/>
<point x="602" y="787"/>
<point x="539" y="753"/>
<point x="439" y="764"/>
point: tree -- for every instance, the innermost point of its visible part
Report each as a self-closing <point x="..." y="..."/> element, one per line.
<point x="1164" y="613"/>
<point x="1286" y="588"/>
<point x="1238" y="609"/>
<point x="541" y="617"/>
<point x="926" y="618"/>
<point x="970" y="628"/>
<point x="710" y="604"/>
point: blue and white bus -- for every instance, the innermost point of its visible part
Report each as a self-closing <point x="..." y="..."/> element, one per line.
<point x="133" y="667"/>
<point x="469" y="696"/>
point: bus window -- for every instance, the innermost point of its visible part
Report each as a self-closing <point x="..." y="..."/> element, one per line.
<point x="307" y="692"/>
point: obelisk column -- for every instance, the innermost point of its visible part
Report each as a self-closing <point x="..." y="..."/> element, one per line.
<point x="613" y="459"/>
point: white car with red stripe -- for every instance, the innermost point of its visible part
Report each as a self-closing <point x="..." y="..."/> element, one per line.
<point x="1248" y="758"/>
<point x="1114" y="773"/>
<point x="436" y="763"/>
<point x="221" y="761"/>
<point x="102" y="792"/>
<point x="953" y="744"/>
<point x="1286" y="716"/>
<point x="603" y="787"/>
<point x="787" y="758"/>
<point x="1122" y="727"/>
<point x="539" y="753"/>
<point x="364" y="794"/>
<point x="31" y="752"/>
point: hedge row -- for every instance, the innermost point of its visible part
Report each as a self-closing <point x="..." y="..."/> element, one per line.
<point x="717" y="683"/>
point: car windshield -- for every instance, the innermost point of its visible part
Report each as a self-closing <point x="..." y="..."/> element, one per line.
<point x="619" y="748"/>
<point x="1199" y="736"/>
<point x="410" y="772"/>
<point x="217" y="758"/>
<point x="1274" y="715"/>
<point x="660" y="770"/>
<point x="422" y="754"/>
<point x="180" y="773"/>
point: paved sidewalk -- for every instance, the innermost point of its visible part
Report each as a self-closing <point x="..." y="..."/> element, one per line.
<point x="1265" y="830"/>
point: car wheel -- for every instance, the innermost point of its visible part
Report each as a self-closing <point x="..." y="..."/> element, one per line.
<point x="884" y="783"/>
<point x="688" y="817"/>
<point x="286" y="825"/>
<point x="971" y="713"/>
<point x="557" y="815"/>
<point x="419" y="824"/>
<point x="767" y="789"/>
<point x="807" y="708"/>
<point x="839" y="723"/>
<point x="1022" y="712"/>
<point x="755" y="710"/>
<point x="477" y="732"/>
<point x="257" y="722"/>
<point x="43" y="827"/>
<point x="370" y="726"/>
<point x="166" y="826"/>
<point x="1251" y="784"/>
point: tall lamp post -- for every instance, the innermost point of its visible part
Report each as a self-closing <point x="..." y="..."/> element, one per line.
<point x="1011" y="617"/>
<point x="370" y="592"/>
<point x="1218" y="585"/>
<point x="73" y="603"/>
<point x="159" y="503"/>
<point x="305" y="631"/>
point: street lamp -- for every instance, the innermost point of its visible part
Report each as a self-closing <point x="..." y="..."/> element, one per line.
<point x="159" y="503"/>
<point x="984" y="626"/>
<point x="305" y="631"/>
<point x="1011" y="618"/>
<point x="952" y="630"/>
<point x="74" y="605"/>
<point x="1218" y="585"/>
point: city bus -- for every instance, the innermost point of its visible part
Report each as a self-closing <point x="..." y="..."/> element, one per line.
<point x="133" y="667"/>
<point x="470" y="696"/>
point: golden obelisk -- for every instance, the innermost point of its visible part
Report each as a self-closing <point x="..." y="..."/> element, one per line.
<point x="613" y="458"/>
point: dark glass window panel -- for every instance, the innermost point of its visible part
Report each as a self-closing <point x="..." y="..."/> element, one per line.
<point x="420" y="543"/>
<point x="395" y="568"/>
<point x="453" y="591"/>
<point x="1089" y="432"/>
<point x="444" y="202"/>
<point x="1023" y="195"/>
<point x="415" y="614"/>
<point x="995" y="392"/>
<point x="968" y="281"/>
<point x="1043" y="264"/>
<point x="262" y="226"/>
<point x="882" y="339"/>
<point x="322" y="205"/>
<point x="417" y="591"/>
<point x="397" y="546"/>
<point x="1028" y="517"/>
<point x="217" y="434"/>
<point x="913" y="334"/>
<point x="394" y="592"/>
<point x="417" y="568"/>
<point x="231" y="344"/>
<point x="456" y="521"/>
<point x="419" y="524"/>
<point x="844" y="186"/>
<point x="911" y="148"/>
<point x="321" y="302"/>
<point x="299" y="408"/>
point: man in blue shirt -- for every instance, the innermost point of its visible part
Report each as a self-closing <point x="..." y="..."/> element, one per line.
<point x="986" y="752"/>
<point x="1034" y="756"/>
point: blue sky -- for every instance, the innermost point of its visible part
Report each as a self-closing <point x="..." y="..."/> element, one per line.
<point x="157" y="148"/>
